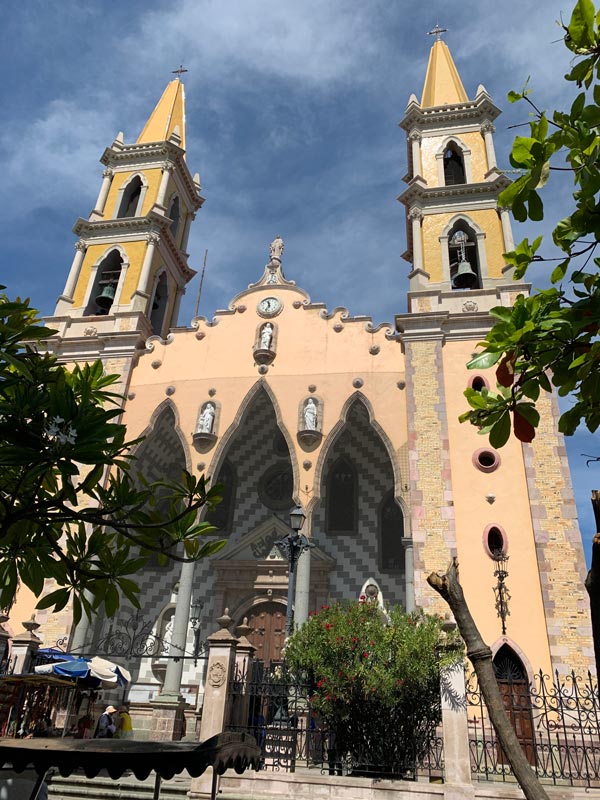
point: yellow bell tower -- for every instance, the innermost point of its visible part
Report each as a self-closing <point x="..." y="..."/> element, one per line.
<point x="130" y="267"/>
<point x="455" y="230"/>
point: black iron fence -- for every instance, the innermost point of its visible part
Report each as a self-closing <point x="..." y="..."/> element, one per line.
<point x="274" y="706"/>
<point x="557" y="721"/>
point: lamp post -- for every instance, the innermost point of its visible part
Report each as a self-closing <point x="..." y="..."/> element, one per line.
<point x="195" y="613"/>
<point x="291" y="547"/>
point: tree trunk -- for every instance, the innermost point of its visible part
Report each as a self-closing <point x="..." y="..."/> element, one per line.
<point x="480" y="655"/>
<point x="592" y="581"/>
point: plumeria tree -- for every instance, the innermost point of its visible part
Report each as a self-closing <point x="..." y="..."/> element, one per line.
<point x="375" y="681"/>
<point x="551" y="338"/>
<point x="72" y="508"/>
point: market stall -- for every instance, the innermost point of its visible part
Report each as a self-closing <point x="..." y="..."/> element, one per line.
<point x="167" y="759"/>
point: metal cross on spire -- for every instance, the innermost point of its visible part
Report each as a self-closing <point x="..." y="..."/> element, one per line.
<point x="179" y="72"/>
<point x="437" y="32"/>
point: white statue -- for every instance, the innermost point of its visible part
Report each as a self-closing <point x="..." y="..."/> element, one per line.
<point x="266" y="336"/>
<point x="277" y="248"/>
<point x="310" y="415"/>
<point x="206" y="419"/>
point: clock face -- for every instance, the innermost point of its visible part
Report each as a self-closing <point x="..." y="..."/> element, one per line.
<point x="269" y="307"/>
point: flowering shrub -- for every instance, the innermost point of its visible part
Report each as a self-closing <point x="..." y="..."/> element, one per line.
<point x="375" y="686"/>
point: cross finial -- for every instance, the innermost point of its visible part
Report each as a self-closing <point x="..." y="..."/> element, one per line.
<point x="179" y="72"/>
<point x="437" y="32"/>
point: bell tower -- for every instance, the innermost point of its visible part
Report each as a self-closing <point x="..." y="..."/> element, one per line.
<point x="130" y="267"/>
<point x="456" y="232"/>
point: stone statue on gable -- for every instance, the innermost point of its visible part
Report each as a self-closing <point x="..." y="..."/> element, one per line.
<point x="266" y="336"/>
<point x="310" y="415"/>
<point x="277" y="248"/>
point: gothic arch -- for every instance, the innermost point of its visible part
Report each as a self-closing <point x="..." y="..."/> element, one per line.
<point x="174" y="214"/>
<point x="478" y="234"/>
<point x="119" y="212"/>
<point x="168" y="403"/>
<point x="335" y="433"/>
<point x="506" y="641"/>
<point x="225" y="441"/>
<point x="96" y="275"/>
<point x="464" y="151"/>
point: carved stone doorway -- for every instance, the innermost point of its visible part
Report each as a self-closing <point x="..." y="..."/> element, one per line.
<point x="268" y="635"/>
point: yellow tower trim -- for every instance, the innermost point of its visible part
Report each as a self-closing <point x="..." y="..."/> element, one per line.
<point x="443" y="85"/>
<point x="168" y="117"/>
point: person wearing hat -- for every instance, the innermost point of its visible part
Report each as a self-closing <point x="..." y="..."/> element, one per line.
<point x="106" y="727"/>
<point x="124" y="725"/>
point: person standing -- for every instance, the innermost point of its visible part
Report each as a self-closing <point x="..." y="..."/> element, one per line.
<point x="124" y="723"/>
<point x="106" y="727"/>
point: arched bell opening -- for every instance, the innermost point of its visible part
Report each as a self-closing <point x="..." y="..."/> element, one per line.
<point x="465" y="271"/>
<point x="130" y="200"/>
<point x="454" y="165"/>
<point x="174" y="215"/>
<point x="105" y="285"/>
<point x="160" y="302"/>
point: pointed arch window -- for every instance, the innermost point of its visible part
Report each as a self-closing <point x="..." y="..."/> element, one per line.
<point x="131" y="198"/>
<point x="174" y="215"/>
<point x="159" y="304"/>
<point x="454" y="165"/>
<point x="222" y="516"/>
<point x="342" y="497"/>
<point x="516" y="698"/>
<point x="463" y="254"/>
<point x="104" y="288"/>
<point x="391" y="532"/>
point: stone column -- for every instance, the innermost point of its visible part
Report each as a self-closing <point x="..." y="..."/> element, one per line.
<point x="409" y="574"/>
<point x="67" y="295"/>
<point x="25" y="647"/>
<point x="457" y="760"/>
<point x="98" y="212"/>
<point x="487" y="129"/>
<point x="164" y="182"/>
<point x="416" y="216"/>
<point x="221" y="663"/>
<point x="415" y="143"/>
<point x="81" y="632"/>
<point x="170" y="691"/>
<point x="168" y="706"/>
<point x="141" y="293"/>
<point x="302" y="593"/>
<point x="176" y="306"/>
<point x="509" y="242"/>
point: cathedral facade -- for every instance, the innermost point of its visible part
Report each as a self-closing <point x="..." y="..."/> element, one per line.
<point x="287" y="403"/>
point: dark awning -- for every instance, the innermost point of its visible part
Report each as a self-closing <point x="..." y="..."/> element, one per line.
<point x="237" y="751"/>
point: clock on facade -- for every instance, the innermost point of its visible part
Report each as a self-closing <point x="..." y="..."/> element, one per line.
<point x="269" y="307"/>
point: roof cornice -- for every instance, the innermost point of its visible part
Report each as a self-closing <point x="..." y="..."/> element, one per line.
<point x="472" y="111"/>
<point x="418" y="192"/>
<point x="144" y="154"/>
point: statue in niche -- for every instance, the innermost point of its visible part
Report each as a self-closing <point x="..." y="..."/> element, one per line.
<point x="310" y="415"/>
<point x="206" y="419"/>
<point x="277" y="248"/>
<point x="266" y="336"/>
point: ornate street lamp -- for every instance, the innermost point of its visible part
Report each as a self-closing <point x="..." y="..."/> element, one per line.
<point x="500" y="589"/>
<point x="291" y="547"/>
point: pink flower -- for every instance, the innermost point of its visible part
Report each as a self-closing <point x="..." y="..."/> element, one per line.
<point x="365" y="655"/>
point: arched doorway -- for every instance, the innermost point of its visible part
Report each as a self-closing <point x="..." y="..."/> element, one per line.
<point x="514" y="688"/>
<point x="268" y="635"/>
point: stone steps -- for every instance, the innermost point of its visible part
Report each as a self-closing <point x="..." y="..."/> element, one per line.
<point x="78" y="787"/>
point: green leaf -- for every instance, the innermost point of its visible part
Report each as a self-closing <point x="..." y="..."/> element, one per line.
<point x="581" y="25"/>
<point x="484" y="360"/>
<point x="500" y="432"/>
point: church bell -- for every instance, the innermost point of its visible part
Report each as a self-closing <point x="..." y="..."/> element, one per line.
<point x="464" y="278"/>
<point x="106" y="296"/>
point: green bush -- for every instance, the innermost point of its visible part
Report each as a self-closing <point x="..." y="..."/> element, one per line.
<point x="375" y="681"/>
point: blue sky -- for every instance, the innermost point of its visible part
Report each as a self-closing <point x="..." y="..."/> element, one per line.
<point x="292" y="112"/>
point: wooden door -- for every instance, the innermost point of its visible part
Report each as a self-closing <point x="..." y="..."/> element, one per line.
<point x="514" y="688"/>
<point x="268" y="634"/>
